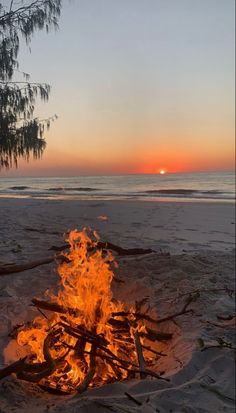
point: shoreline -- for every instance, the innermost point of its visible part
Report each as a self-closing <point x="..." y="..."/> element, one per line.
<point x="118" y="198"/>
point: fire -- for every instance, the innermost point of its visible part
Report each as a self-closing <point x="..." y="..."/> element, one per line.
<point x="84" y="340"/>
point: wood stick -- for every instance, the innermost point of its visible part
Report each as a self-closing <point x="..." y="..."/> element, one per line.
<point x="59" y="248"/>
<point x="156" y="335"/>
<point x="141" y="316"/>
<point x="50" y="364"/>
<point x="133" y="399"/>
<point x="91" y="340"/>
<point x="21" y="366"/>
<point x="159" y="353"/>
<point x="123" y="364"/>
<point x="92" y="367"/>
<point x="139" y="352"/>
<point x="55" y="390"/>
<point x="34" y="378"/>
<point x="108" y="245"/>
<point x="85" y="334"/>
<point x="206" y="290"/>
<point x="147" y="372"/>
<point x="14" y="268"/>
<point x="7" y="269"/>
<point x="42" y="231"/>
<point x="12" y="368"/>
<point x="119" y="323"/>
<point x="162" y="320"/>
<point x="56" y="308"/>
<point x="123" y="251"/>
<point x="115" y="369"/>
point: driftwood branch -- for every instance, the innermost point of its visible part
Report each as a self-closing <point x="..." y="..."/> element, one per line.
<point x="143" y="316"/>
<point x="14" y="268"/>
<point x="7" y="269"/>
<point x="109" y="246"/>
<point x="229" y="290"/>
<point x="220" y="343"/>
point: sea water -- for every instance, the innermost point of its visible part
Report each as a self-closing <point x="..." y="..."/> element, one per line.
<point x="214" y="186"/>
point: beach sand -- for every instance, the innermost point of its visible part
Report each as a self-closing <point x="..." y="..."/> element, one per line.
<point x="200" y="240"/>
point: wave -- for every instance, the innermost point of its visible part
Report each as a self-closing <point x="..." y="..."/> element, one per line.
<point x="182" y="191"/>
<point x="79" y="189"/>
<point x="19" y="188"/>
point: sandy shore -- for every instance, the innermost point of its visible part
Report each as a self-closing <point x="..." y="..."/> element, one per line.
<point x="200" y="239"/>
<point x="169" y="226"/>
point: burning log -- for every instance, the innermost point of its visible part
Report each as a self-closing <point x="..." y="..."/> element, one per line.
<point x="92" y="367"/>
<point x="149" y="334"/>
<point x="50" y="364"/>
<point x="56" y="308"/>
<point x="139" y="352"/>
<point x="36" y="371"/>
<point x="82" y="333"/>
<point x="45" y="305"/>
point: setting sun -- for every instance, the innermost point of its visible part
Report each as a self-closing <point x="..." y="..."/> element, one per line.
<point x="162" y="172"/>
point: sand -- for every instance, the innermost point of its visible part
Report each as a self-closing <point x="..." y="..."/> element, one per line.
<point x="200" y="240"/>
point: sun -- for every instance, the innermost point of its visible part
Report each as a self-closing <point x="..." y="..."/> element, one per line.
<point x="162" y="172"/>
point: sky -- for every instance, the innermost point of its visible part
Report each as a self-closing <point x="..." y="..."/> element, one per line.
<point x="138" y="86"/>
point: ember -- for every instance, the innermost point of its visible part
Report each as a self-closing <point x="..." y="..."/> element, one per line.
<point x="87" y="338"/>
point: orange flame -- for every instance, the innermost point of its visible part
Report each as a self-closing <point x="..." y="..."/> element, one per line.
<point x="85" y="291"/>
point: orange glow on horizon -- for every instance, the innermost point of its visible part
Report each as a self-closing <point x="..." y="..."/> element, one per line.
<point x="66" y="160"/>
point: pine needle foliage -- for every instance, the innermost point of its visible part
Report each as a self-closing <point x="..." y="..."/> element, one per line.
<point x="21" y="134"/>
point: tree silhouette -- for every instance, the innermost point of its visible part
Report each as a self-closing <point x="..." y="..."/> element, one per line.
<point x="21" y="134"/>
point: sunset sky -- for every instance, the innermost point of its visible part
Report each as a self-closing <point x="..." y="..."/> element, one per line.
<point x="138" y="85"/>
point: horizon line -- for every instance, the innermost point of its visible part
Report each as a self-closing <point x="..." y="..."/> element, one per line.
<point x="119" y="174"/>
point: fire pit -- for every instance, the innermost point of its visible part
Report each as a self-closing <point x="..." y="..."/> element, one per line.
<point x="83" y="336"/>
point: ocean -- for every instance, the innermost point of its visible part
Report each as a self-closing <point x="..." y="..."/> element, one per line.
<point x="214" y="186"/>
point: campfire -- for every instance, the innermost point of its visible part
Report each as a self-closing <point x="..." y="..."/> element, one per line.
<point x="83" y="336"/>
